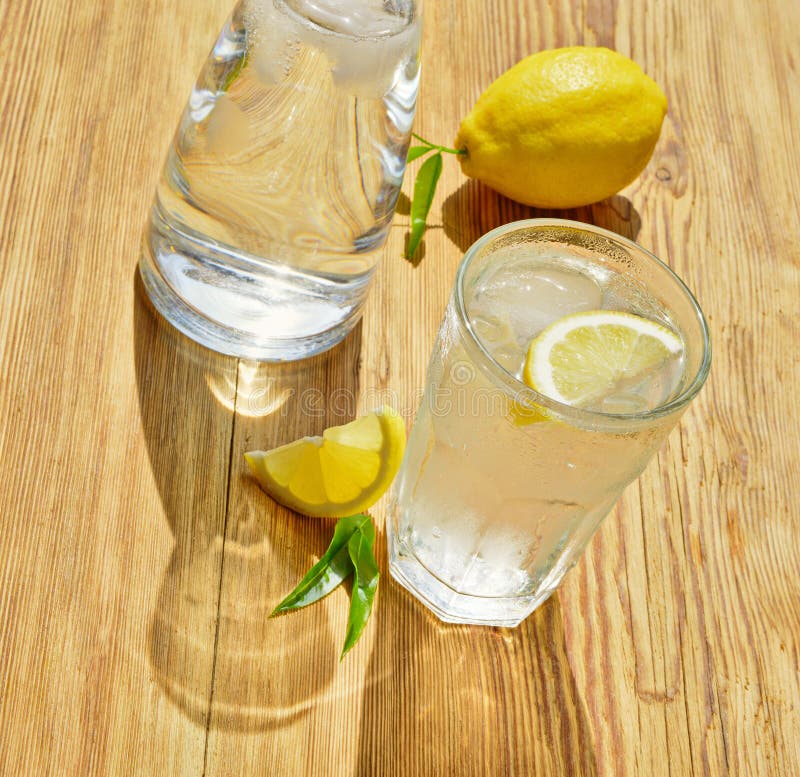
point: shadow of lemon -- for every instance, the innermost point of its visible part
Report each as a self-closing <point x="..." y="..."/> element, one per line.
<point x="474" y="209"/>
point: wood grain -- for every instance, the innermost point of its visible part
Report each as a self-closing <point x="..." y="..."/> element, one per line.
<point x="138" y="561"/>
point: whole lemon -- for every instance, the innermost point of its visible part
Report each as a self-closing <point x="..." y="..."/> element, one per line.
<point x="563" y="128"/>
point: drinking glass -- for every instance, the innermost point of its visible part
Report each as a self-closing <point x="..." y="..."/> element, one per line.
<point x="502" y="487"/>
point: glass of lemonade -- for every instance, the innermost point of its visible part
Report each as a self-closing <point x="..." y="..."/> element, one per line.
<point x="566" y="355"/>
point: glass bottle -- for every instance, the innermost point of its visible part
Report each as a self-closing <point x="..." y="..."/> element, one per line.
<point x="281" y="182"/>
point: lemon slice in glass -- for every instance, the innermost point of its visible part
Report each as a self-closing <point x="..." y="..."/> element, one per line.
<point x="343" y="472"/>
<point x="585" y="357"/>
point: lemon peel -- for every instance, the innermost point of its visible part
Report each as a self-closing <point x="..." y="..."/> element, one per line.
<point x="343" y="472"/>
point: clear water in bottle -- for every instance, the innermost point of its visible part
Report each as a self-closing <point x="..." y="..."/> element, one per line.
<point x="281" y="182"/>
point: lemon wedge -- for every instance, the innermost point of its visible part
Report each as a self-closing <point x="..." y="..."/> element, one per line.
<point x="343" y="472"/>
<point x="586" y="356"/>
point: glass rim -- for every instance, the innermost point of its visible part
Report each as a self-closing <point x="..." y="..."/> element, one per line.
<point x="529" y="395"/>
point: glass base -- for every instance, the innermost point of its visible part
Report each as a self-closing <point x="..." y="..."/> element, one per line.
<point x="244" y="306"/>
<point x="452" y="606"/>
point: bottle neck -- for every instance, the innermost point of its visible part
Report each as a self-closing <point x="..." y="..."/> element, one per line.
<point x="356" y="18"/>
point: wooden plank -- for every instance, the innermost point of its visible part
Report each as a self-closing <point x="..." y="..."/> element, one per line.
<point x="279" y="680"/>
<point x="102" y="412"/>
<point x="139" y="561"/>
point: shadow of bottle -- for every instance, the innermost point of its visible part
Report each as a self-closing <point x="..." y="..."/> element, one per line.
<point x="212" y="647"/>
<point x="474" y="209"/>
<point x="501" y="701"/>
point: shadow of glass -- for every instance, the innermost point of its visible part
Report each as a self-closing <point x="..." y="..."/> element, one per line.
<point x="474" y="209"/>
<point x="213" y="649"/>
<point x="502" y="701"/>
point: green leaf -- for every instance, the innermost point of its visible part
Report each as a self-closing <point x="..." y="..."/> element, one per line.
<point x="415" y="152"/>
<point x="350" y="551"/>
<point x="334" y="566"/>
<point x="365" y="584"/>
<point x="424" y="189"/>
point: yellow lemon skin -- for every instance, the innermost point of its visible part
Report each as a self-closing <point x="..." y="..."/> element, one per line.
<point x="343" y="472"/>
<point x="563" y="128"/>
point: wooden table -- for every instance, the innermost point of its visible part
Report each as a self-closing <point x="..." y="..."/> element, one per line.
<point x="139" y="562"/>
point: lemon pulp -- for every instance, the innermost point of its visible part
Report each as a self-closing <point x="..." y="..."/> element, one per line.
<point x="342" y="472"/>
<point x="585" y="358"/>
